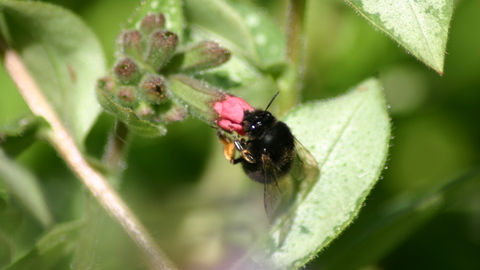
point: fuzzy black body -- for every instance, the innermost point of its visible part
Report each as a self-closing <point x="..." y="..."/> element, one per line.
<point x="272" y="156"/>
<point x="270" y="144"/>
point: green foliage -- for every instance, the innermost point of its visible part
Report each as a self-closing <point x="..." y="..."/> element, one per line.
<point x="49" y="252"/>
<point x="17" y="136"/>
<point x="63" y="55"/>
<point x="203" y="212"/>
<point x="25" y="187"/>
<point x="420" y="26"/>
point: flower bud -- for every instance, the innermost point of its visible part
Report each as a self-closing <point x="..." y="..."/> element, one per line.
<point x="204" y="55"/>
<point x="152" y="89"/>
<point x="175" y="113"/>
<point x="107" y="84"/>
<point x="123" y="104"/>
<point x="127" y="72"/>
<point x="130" y="43"/>
<point x="152" y="22"/>
<point x="161" y="46"/>
<point x="126" y="96"/>
<point x="231" y="111"/>
<point x="144" y="111"/>
<point x="198" y="96"/>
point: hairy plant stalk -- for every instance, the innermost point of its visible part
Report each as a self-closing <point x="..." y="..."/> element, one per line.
<point x="295" y="35"/>
<point x="116" y="147"/>
<point x="292" y="82"/>
<point x="63" y="142"/>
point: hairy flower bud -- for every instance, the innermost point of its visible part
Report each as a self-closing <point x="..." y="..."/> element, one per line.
<point x="204" y="55"/>
<point x="152" y="22"/>
<point x="130" y="43"/>
<point x="197" y="95"/>
<point x="127" y="72"/>
<point x="161" y="46"/>
<point x="145" y="111"/>
<point x="107" y="84"/>
<point x="152" y="89"/>
<point x="126" y="96"/>
<point x="175" y="113"/>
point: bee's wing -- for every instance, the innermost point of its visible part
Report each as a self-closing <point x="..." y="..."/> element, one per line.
<point x="273" y="191"/>
<point x="304" y="169"/>
<point x="280" y="193"/>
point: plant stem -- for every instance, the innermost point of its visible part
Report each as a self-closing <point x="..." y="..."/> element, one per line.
<point x="295" y="27"/>
<point x="96" y="183"/>
<point x="292" y="82"/>
<point x="116" y="147"/>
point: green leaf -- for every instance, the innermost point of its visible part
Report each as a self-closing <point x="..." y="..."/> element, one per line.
<point x="63" y="56"/>
<point x="419" y="26"/>
<point x="269" y="41"/>
<point x="19" y="135"/>
<point x="26" y="188"/>
<point x="257" y="44"/>
<point x="241" y="27"/>
<point x="6" y="251"/>
<point x="51" y="248"/>
<point x="348" y="136"/>
<point x="394" y="221"/>
<point x="381" y="233"/>
<point x="11" y="218"/>
<point x="3" y="195"/>
<point x="227" y="24"/>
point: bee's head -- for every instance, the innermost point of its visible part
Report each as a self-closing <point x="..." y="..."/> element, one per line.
<point x="256" y="122"/>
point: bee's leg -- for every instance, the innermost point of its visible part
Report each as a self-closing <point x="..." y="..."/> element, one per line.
<point x="228" y="147"/>
<point x="246" y="155"/>
<point x="237" y="160"/>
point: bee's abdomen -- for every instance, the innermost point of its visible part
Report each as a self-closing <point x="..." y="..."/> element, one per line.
<point x="273" y="153"/>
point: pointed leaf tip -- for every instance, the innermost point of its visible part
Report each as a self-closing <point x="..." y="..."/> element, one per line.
<point x="419" y="26"/>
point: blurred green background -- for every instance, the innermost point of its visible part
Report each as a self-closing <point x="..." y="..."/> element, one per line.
<point x="405" y="224"/>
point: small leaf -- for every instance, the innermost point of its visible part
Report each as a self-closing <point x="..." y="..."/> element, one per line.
<point x="419" y="26"/>
<point x="51" y="248"/>
<point x="25" y="187"/>
<point x="63" y="56"/>
<point x="348" y="136"/>
<point x="19" y="135"/>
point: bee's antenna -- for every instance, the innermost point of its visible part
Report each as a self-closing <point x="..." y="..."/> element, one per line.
<point x="268" y="106"/>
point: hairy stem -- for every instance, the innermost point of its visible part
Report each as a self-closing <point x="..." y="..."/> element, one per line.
<point x="292" y="83"/>
<point x="96" y="183"/>
<point x="116" y="147"/>
<point x="295" y="28"/>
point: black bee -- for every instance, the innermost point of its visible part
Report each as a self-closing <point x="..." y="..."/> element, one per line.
<point x="272" y="156"/>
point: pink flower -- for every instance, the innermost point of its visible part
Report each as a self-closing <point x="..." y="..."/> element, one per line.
<point x="231" y="112"/>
